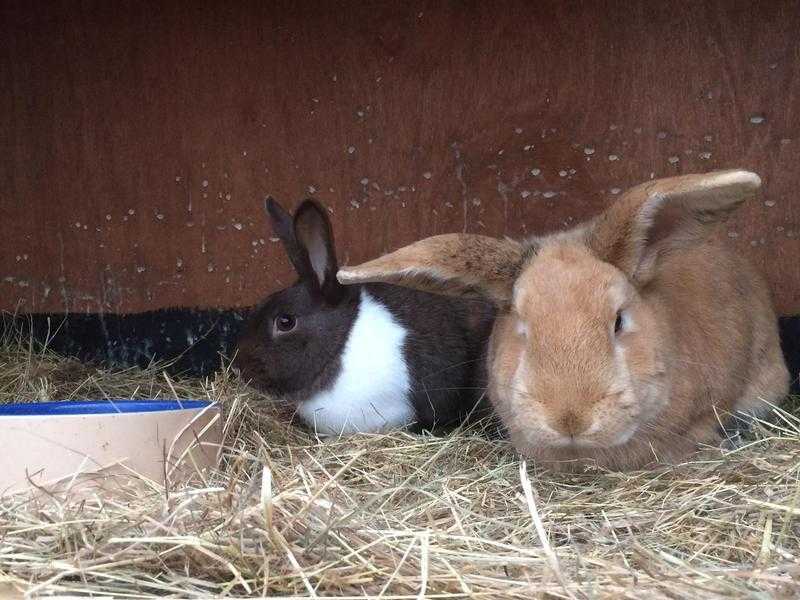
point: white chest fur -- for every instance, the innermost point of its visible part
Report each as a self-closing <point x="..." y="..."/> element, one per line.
<point x="371" y="391"/>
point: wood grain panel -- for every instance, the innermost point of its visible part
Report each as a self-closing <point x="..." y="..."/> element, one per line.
<point x="140" y="138"/>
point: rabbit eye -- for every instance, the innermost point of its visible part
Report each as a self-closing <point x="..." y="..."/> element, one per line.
<point x="618" y="322"/>
<point x="285" y="323"/>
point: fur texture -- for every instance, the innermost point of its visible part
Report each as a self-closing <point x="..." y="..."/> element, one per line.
<point x="371" y="391"/>
<point x="367" y="357"/>
<point x="628" y="340"/>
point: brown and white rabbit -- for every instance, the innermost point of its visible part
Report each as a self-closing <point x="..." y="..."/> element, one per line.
<point x="361" y="358"/>
<point x="625" y="341"/>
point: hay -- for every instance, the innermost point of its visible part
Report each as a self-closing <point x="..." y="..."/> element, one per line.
<point x="398" y="516"/>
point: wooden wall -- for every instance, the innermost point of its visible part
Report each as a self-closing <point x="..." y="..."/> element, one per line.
<point x="138" y="139"/>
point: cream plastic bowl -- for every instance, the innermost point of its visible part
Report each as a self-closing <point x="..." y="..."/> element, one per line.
<point x="58" y="445"/>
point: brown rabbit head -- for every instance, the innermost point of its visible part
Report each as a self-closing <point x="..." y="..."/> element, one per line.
<point x="291" y="341"/>
<point x="578" y="356"/>
<point x="588" y="367"/>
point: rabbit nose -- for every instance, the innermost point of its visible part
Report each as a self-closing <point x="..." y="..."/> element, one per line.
<point x="570" y="424"/>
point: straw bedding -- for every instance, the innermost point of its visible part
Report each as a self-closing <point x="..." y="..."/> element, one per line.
<point x="398" y="516"/>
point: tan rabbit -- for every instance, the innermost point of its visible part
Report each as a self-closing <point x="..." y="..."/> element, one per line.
<point x="626" y="341"/>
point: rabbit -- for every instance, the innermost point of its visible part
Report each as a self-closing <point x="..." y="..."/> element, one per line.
<point x="367" y="358"/>
<point x="624" y="342"/>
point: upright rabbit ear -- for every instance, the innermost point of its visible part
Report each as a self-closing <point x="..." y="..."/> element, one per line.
<point x="312" y="229"/>
<point x="453" y="264"/>
<point x="663" y="214"/>
<point x="283" y="227"/>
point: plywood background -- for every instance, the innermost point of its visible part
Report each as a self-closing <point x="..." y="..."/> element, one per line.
<point x="138" y="139"/>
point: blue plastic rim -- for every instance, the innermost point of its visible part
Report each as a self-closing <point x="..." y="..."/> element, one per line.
<point x="96" y="407"/>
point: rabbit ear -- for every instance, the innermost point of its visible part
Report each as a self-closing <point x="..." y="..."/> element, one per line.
<point x="283" y="227"/>
<point x="312" y="229"/>
<point x="454" y="264"/>
<point x="663" y="214"/>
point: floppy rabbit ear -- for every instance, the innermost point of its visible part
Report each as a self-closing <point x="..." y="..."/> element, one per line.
<point x="453" y="264"/>
<point x="663" y="214"/>
<point x="313" y="232"/>
<point x="283" y="227"/>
